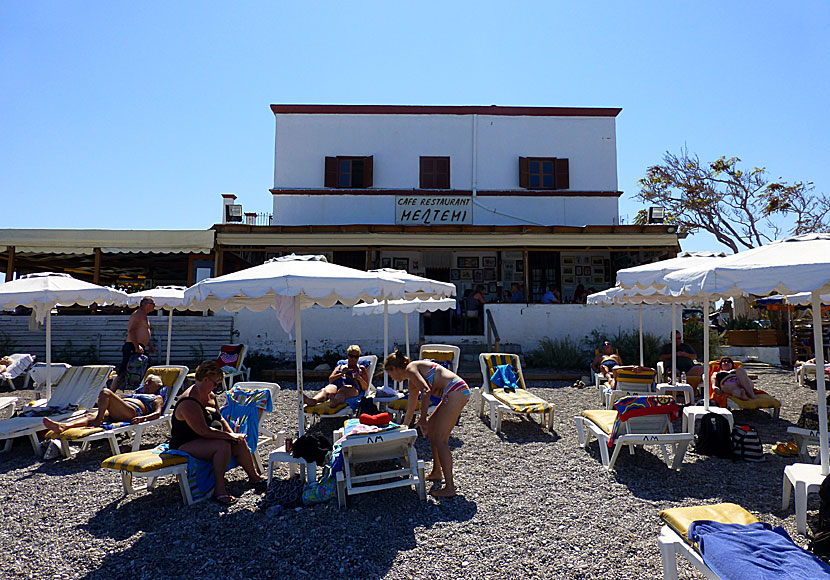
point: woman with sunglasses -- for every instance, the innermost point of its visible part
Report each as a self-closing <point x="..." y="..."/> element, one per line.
<point x="346" y="381"/>
<point x="199" y="430"/>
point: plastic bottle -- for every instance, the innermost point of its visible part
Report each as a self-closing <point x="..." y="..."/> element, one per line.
<point x="683" y="378"/>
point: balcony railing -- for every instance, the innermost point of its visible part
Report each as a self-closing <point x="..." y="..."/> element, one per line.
<point x="258" y="219"/>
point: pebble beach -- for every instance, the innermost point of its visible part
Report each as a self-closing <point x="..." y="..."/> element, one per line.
<point x="531" y="504"/>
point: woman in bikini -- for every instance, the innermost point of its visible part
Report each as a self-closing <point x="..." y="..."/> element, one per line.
<point x="733" y="380"/>
<point x="200" y="430"/>
<point x="427" y="379"/>
<point x="135" y="408"/>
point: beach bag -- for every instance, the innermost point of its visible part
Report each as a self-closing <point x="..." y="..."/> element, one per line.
<point x="321" y="491"/>
<point x="285" y="492"/>
<point x="367" y="406"/>
<point x="714" y="437"/>
<point x="746" y="444"/>
<point x="820" y="546"/>
<point x="136" y="368"/>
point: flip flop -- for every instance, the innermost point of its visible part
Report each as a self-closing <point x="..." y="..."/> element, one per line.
<point x="793" y="448"/>
<point x="224" y="499"/>
<point x="781" y="449"/>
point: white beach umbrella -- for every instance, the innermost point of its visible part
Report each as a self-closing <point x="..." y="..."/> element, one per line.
<point x="168" y="298"/>
<point x="415" y="287"/>
<point x="788" y="266"/>
<point x="404" y="307"/>
<point x="291" y="284"/>
<point x="43" y="291"/>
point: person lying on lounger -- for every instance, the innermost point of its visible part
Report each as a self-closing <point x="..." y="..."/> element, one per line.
<point x="733" y="380"/>
<point x="345" y="382"/>
<point x="605" y="361"/>
<point x="7" y="361"/>
<point x="135" y="408"/>
<point x="428" y="378"/>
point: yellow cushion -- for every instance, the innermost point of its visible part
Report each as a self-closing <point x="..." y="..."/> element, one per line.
<point x="680" y="518"/>
<point x="762" y="401"/>
<point x="142" y="461"/>
<point x="400" y="405"/>
<point x="325" y="409"/>
<point x="168" y="376"/>
<point x="521" y="401"/>
<point x="73" y="433"/>
<point x="439" y="355"/>
<point x="601" y="418"/>
<point x="643" y="377"/>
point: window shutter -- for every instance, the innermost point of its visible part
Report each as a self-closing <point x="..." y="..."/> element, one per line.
<point x="424" y="169"/>
<point x="367" y="171"/>
<point x="442" y="170"/>
<point x="330" y="179"/>
<point x="561" y="175"/>
<point x="523" y="172"/>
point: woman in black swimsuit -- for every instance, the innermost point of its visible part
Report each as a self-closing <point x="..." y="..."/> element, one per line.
<point x="199" y="430"/>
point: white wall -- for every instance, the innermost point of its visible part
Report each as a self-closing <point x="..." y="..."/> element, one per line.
<point x="397" y="141"/>
<point x="290" y="210"/>
<point x="335" y="328"/>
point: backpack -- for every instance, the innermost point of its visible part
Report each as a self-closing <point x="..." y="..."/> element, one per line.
<point x="820" y="546"/>
<point x="824" y="511"/>
<point x="136" y="368"/>
<point x="714" y="437"/>
<point x="746" y="444"/>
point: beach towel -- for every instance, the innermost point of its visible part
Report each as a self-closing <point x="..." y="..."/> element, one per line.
<point x="639" y="406"/>
<point x="354" y="427"/>
<point x="752" y="551"/>
<point x="506" y="378"/>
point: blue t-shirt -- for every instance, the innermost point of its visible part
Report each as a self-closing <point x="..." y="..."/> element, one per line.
<point x="548" y="298"/>
<point x="517" y="297"/>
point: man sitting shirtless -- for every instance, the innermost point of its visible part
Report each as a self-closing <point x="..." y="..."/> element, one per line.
<point x="135" y="408"/>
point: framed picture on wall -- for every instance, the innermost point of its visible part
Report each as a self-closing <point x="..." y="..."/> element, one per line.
<point x="386" y="262"/>
<point x="578" y="270"/>
<point x="568" y="280"/>
<point x="466" y="274"/>
<point x="478" y="275"/>
<point x="468" y="262"/>
<point x="489" y="274"/>
<point x="455" y="274"/>
<point x="596" y="260"/>
<point x="597" y="280"/>
<point x="400" y="263"/>
<point x="599" y="271"/>
<point x="567" y="260"/>
<point x="488" y="262"/>
<point x="568" y="270"/>
<point x="520" y="265"/>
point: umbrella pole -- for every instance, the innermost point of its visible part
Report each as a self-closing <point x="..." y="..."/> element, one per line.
<point x="169" y="334"/>
<point x="298" y="346"/>
<point x="673" y="343"/>
<point x="406" y="331"/>
<point x="385" y="340"/>
<point x="640" y="308"/>
<point x="706" y="353"/>
<point x="48" y="392"/>
<point x="790" y="334"/>
<point x="820" y="382"/>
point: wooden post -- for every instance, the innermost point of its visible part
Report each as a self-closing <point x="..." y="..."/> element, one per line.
<point x="10" y="264"/>
<point x="217" y="262"/>
<point x="96" y="272"/>
<point x="525" y="256"/>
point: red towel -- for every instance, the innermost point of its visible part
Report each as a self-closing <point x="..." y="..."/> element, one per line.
<point x="380" y="420"/>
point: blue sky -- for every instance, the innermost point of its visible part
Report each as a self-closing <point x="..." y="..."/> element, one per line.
<point x="138" y="115"/>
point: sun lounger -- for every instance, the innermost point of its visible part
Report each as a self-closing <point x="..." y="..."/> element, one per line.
<point x="742" y="548"/>
<point x="173" y="378"/>
<point x="76" y="391"/>
<point x="313" y="414"/>
<point x="635" y="421"/>
<point x="21" y="363"/>
<point x="515" y="402"/>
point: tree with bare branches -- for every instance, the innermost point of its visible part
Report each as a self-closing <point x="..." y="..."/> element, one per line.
<point x="742" y="209"/>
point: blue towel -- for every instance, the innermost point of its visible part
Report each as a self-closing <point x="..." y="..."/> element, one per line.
<point x="506" y="378"/>
<point x="753" y="551"/>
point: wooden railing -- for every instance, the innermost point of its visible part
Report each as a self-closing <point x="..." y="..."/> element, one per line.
<point x="492" y="332"/>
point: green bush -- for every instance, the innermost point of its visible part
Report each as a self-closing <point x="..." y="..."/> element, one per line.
<point x="693" y="335"/>
<point x="558" y="354"/>
<point x="742" y="323"/>
<point x="260" y="361"/>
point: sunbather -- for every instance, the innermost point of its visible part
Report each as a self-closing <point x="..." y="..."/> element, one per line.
<point x="199" y="430"/>
<point x="429" y="378"/>
<point x="5" y="362"/>
<point x="605" y="361"/>
<point x="136" y="408"/>
<point x="733" y="380"/>
<point x="345" y="382"/>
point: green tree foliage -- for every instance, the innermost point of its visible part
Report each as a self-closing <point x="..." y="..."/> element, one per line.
<point x="741" y="208"/>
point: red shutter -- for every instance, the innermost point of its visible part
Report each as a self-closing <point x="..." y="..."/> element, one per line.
<point x="330" y="179"/>
<point x="523" y="172"/>
<point x="367" y="171"/>
<point x="443" y="170"/>
<point x="561" y="178"/>
<point x="422" y="173"/>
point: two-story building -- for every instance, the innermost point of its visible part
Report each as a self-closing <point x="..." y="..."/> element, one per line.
<point x="490" y="196"/>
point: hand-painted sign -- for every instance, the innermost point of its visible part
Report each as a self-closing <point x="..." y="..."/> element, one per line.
<point x="427" y="210"/>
